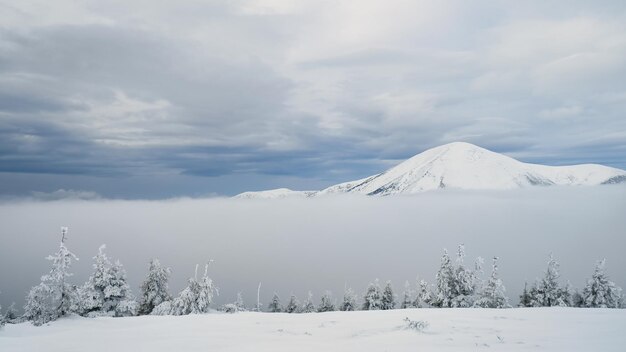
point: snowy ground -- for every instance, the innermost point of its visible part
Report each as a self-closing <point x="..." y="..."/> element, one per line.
<point x="541" y="329"/>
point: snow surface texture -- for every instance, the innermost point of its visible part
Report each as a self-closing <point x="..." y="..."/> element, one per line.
<point x="529" y="329"/>
<point x="462" y="165"/>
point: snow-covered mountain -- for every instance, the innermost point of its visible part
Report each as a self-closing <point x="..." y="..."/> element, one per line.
<point x="462" y="165"/>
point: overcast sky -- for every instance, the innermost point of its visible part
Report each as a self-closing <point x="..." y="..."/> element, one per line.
<point x="154" y="99"/>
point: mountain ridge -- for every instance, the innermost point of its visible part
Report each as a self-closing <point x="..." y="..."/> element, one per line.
<point x="461" y="165"/>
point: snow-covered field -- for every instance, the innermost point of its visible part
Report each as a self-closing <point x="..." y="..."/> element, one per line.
<point x="529" y="329"/>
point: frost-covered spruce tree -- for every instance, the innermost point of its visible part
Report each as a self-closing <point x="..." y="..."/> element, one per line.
<point x="424" y="296"/>
<point x="154" y="290"/>
<point x="118" y="295"/>
<point x="293" y="306"/>
<point x="407" y="300"/>
<point x="466" y="281"/>
<point x="493" y="293"/>
<point x="54" y="297"/>
<point x="388" y="299"/>
<point x="349" y="301"/>
<point x="274" y="306"/>
<point x="197" y="297"/>
<point x="547" y="292"/>
<point x="601" y="292"/>
<point x="308" y="306"/>
<point x="10" y="316"/>
<point x="372" y="299"/>
<point x="326" y="303"/>
<point x="445" y="283"/>
<point x="525" y="299"/>
<point x="241" y="307"/>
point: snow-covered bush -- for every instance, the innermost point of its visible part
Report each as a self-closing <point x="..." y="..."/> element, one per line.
<point x="349" y="300"/>
<point x="10" y="316"/>
<point x="417" y="325"/>
<point x="326" y="303"/>
<point x="154" y="290"/>
<point x="54" y="297"/>
<point x="230" y="308"/>
<point x="372" y="299"/>
<point x="164" y="308"/>
<point x="601" y="292"/>
<point x="493" y="293"/>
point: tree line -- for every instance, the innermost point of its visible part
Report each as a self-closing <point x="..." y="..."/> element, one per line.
<point x="107" y="292"/>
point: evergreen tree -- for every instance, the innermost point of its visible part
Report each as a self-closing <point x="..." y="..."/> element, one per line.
<point x="293" y="306"/>
<point x="54" y="297"/>
<point x="601" y="292"/>
<point x="372" y="299"/>
<point x="154" y="289"/>
<point x="424" y="296"/>
<point x="275" y="306"/>
<point x="547" y="292"/>
<point x="525" y="299"/>
<point x="445" y="283"/>
<point x="308" y="306"/>
<point x="465" y="281"/>
<point x="11" y="314"/>
<point x="349" y="301"/>
<point x="197" y="297"/>
<point x="407" y="300"/>
<point x="388" y="300"/>
<point x="493" y="294"/>
<point x="326" y="303"/>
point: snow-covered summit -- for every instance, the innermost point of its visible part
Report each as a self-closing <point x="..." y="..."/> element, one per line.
<point x="463" y="165"/>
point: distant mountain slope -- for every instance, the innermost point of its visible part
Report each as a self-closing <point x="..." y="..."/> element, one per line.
<point x="462" y="165"/>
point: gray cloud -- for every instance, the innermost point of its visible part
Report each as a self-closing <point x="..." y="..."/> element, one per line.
<point x="308" y="90"/>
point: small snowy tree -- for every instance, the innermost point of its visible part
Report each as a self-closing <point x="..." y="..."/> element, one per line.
<point x="154" y="290"/>
<point x="525" y="299"/>
<point x="349" y="300"/>
<point x="308" y="306"/>
<point x="388" y="300"/>
<point x="11" y="314"/>
<point x="466" y="281"/>
<point x="601" y="292"/>
<point x="54" y="297"/>
<point x="445" y="283"/>
<point x="293" y="306"/>
<point x="372" y="299"/>
<point x="407" y="300"/>
<point x="547" y="292"/>
<point x="275" y="306"/>
<point x="197" y="297"/>
<point x="493" y="294"/>
<point x="326" y="303"/>
<point x="241" y="307"/>
<point x="424" y="296"/>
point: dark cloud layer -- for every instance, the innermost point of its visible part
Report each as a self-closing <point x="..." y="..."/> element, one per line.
<point x="310" y="92"/>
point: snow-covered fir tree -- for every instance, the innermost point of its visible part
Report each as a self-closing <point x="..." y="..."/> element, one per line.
<point x="11" y="316"/>
<point x="349" y="300"/>
<point x="388" y="299"/>
<point x="54" y="297"/>
<point x="274" y="306"/>
<point x="107" y="292"/>
<point x="445" y="283"/>
<point x="600" y="292"/>
<point x="407" y="296"/>
<point x="372" y="299"/>
<point x="326" y="303"/>
<point x="547" y="292"/>
<point x="293" y="306"/>
<point x="424" y="297"/>
<point x="197" y="297"/>
<point x="493" y="293"/>
<point x="308" y="306"/>
<point x="466" y="280"/>
<point x="154" y="289"/>
<point x="525" y="300"/>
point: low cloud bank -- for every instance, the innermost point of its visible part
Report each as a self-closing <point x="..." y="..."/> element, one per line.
<point x="297" y="245"/>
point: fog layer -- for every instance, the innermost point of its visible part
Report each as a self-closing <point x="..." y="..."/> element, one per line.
<point x="297" y="245"/>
